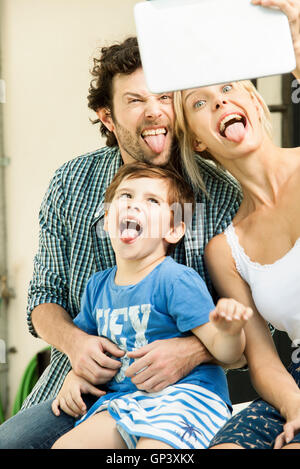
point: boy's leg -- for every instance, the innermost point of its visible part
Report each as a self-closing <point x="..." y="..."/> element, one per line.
<point x="149" y="443"/>
<point x="97" y="432"/>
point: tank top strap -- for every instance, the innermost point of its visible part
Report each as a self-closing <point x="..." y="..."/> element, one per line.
<point x="235" y="247"/>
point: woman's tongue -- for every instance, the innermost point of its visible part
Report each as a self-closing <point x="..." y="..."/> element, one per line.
<point x="156" y="142"/>
<point x="235" y="132"/>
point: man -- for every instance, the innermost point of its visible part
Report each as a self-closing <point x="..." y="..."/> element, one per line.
<point x="138" y="125"/>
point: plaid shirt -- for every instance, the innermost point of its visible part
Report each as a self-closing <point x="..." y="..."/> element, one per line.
<point x="73" y="245"/>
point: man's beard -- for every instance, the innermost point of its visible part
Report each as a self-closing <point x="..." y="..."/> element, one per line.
<point x="130" y="143"/>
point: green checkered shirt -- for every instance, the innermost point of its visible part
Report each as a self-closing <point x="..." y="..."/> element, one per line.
<point x="73" y="246"/>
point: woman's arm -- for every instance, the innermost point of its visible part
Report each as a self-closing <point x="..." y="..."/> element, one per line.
<point x="269" y="377"/>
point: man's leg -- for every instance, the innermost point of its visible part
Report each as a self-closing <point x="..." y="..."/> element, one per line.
<point x="36" y="427"/>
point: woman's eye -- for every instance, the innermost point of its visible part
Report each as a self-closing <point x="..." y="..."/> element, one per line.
<point x="199" y="104"/>
<point x="227" y="88"/>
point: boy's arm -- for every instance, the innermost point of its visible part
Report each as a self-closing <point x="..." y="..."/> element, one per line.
<point x="224" y="335"/>
<point x="69" y="397"/>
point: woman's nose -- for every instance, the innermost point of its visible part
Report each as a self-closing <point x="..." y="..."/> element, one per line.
<point x="220" y="102"/>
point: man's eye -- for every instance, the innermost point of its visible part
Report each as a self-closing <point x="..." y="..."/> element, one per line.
<point x="166" y="98"/>
<point x="226" y="88"/>
<point x="199" y="104"/>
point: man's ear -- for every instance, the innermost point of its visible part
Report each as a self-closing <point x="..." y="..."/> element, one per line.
<point x="175" y="233"/>
<point x="199" y="146"/>
<point x="104" y="115"/>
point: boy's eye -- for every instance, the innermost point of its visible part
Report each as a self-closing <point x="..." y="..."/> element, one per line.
<point x="226" y="88"/>
<point x="153" y="201"/>
<point x="125" y="195"/>
<point x="199" y="104"/>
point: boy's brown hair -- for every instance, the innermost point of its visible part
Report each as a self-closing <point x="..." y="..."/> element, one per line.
<point x="180" y="194"/>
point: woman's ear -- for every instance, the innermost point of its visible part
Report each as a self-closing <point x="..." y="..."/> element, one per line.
<point x="175" y="233"/>
<point x="199" y="146"/>
<point x="104" y="115"/>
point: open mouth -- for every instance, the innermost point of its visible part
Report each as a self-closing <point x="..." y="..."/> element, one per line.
<point x="155" y="138"/>
<point x="130" y="229"/>
<point x="233" y="127"/>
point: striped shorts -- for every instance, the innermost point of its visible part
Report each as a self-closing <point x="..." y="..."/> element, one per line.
<point x="185" y="416"/>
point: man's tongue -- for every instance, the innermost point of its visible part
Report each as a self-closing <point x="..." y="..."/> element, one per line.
<point x="156" y="142"/>
<point x="128" y="235"/>
<point x="235" y="132"/>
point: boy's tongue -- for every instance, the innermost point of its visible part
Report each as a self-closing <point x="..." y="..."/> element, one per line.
<point x="128" y="235"/>
<point x="156" y="142"/>
<point x="235" y="132"/>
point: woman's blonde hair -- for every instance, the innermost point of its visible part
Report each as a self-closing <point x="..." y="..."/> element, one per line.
<point x="185" y="137"/>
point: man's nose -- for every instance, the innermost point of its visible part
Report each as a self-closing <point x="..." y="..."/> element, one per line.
<point x="153" y="108"/>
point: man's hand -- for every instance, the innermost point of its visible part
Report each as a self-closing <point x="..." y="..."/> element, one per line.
<point x="164" y="362"/>
<point x="89" y="359"/>
<point x="69" y="397"/>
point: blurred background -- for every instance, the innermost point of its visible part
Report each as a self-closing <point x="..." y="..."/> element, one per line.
<point x="47" y="48"/>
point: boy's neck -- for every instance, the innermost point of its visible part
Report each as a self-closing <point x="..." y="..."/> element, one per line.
<point x="132" y="271"/>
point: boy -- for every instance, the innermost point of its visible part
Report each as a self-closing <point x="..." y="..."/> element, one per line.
<point x="146" y="297"/>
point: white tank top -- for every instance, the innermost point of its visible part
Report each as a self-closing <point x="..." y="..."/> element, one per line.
<point x="275" y="287"/>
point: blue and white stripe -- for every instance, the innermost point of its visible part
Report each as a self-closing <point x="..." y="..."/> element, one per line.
<point x="185" y="416"/>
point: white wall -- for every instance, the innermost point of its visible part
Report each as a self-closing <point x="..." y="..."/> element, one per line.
<point x="47" y="50"/>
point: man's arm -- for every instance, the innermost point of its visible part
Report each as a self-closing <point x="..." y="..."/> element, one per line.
<point x="164" y="362"/>
<point x="87" y="353"/>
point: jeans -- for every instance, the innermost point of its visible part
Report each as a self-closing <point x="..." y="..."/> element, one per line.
<point x="37" y="427"/>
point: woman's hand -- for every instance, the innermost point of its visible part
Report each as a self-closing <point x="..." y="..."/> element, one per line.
<point x="69" y="397"/>
<point x="292" y="425"/>
<point x="292" y="10"/>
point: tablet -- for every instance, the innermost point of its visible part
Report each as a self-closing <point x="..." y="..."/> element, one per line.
<point x="192" y="43"/>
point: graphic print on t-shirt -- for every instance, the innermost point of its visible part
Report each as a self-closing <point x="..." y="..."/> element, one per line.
<point x="111" y="322"/>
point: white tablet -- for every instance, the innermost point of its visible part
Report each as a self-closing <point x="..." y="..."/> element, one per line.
<point x="191" y="43"/>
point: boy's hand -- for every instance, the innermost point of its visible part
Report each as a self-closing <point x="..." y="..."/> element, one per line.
<point x="230" y="316"/>
<point x="69" y="397"/>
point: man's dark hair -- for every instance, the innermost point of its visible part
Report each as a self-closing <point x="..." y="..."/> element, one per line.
<point x="119" y="58"/>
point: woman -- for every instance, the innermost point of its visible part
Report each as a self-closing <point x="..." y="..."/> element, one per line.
<point x="256" y="260"/>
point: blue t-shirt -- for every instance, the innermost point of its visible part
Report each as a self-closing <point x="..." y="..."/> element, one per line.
<point x="169" y="302"/>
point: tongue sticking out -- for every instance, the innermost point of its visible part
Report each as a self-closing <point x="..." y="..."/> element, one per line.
<point x="128" y="235"/>
<point x="235" y="132"/>
<point x="156" y="142"/>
